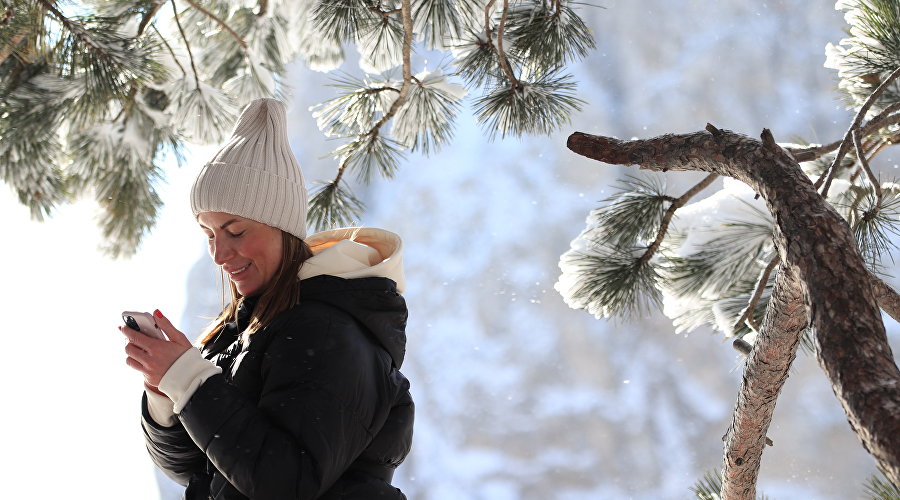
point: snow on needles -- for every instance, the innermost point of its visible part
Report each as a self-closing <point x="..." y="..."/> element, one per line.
<point x="705" y="269"/>
<point x="691" y="232"/>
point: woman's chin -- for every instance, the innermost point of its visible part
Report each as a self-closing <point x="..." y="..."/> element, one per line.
<point x="246" y="289"/>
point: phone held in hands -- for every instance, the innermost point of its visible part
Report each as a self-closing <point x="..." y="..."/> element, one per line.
<point x="143" y="322"/>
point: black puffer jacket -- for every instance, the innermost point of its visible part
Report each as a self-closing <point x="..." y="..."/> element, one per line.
<point x="313" y="406"/>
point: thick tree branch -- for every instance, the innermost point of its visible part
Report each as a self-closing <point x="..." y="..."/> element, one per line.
<point x="816" y="245"/>
<point x="765" y="373"/>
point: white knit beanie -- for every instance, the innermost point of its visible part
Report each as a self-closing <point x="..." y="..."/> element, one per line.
<point x="255" y="174"/>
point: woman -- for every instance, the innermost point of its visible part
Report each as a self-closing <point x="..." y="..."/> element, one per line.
<point x="295" y="391"/>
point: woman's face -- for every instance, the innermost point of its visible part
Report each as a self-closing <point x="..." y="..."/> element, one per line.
<point x="248" y="251"/>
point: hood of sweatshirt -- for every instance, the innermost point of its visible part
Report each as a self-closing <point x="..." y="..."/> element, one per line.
<point x="348" y="271"/>
<point x="356" y="253"/>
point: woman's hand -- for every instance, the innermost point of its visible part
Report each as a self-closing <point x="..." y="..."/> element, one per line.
<point x="153" y="357"/>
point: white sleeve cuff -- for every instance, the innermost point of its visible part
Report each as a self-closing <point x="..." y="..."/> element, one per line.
<point x="185" y="376"/>
<point x="160" y="409"/>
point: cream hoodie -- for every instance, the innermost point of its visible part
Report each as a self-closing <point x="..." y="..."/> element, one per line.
<point x="345" y="253"/>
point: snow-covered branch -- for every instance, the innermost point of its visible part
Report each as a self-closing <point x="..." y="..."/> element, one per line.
<point x="816" y="244"/>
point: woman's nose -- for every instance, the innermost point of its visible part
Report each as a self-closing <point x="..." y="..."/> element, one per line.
<point x="220" y="251"/>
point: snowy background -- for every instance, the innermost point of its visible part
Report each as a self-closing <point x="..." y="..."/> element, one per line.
<point x="518" y="396"/>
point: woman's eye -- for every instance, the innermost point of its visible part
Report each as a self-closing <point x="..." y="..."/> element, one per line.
<point x="236" y="235"/>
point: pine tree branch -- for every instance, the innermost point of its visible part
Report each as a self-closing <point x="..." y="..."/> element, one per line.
<point x="487" y="20"/>
<point x="845" y="143"/>
<point x="186" y="45"/>
<point x="670" y="212"/>
<point x="747" y="313"/>
<point x="888" y="299"/>
<point x="765" y="372"/>
<point x="404" y="89"/>
<point x="817" y="246"/>
<point x="77" y="30"/>
<point x="148" y="16"/>
<point x="13" y="43"/>
<point x="879" y="147"/>
<point x="501" y="54"/>
<point x="384" y="13"/>
<point x="221" y="23"/>
<point x="377" y="90"/>
<point x="407" y="67"/>
<point x="172" y="52"/>
<point x="883" y="119"/>
<point x="861" y="157"/>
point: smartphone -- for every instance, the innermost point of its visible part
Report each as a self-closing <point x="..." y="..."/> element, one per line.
<point x="143" y="322"/>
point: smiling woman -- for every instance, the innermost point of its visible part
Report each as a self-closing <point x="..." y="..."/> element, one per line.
<point x="300" y="371"/>
<point x="249" y="252"/>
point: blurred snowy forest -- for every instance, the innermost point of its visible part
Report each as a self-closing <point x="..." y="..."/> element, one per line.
<point x="517" y="395"/>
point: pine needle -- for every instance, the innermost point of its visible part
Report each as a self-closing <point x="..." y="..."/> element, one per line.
<point x="608" y="281"/>
<point x="635" y="212"/>
<point x="332" y="206"/>
<point x="538" y="107"/>
<point x="881" y="488"/>
<point x="370" y="154"/>
<point x="548" y="36"/>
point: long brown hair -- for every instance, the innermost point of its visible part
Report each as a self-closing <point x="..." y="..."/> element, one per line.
<point x="282" y="293"/>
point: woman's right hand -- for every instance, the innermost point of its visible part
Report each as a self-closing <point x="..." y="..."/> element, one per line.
<point x="151" y="356"/>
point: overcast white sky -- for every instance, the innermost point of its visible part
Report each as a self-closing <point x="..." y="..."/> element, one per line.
<point x="71" y="403"/>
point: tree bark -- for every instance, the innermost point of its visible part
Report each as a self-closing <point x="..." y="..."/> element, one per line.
<point x="816" y="244"/>
<point x="887" y="298"/>
<point x="765" y="373"/>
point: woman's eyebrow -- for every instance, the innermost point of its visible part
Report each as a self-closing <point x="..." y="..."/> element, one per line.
<point x="223" y="226"/>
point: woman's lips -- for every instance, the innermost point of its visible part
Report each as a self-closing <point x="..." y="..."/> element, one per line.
<point x="237" y="274"/>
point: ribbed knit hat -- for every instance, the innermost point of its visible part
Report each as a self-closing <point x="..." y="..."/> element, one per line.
<point x="255" y="175"/>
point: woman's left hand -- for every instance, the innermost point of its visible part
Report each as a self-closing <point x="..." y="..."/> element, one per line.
<point x="151" y="356"/>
